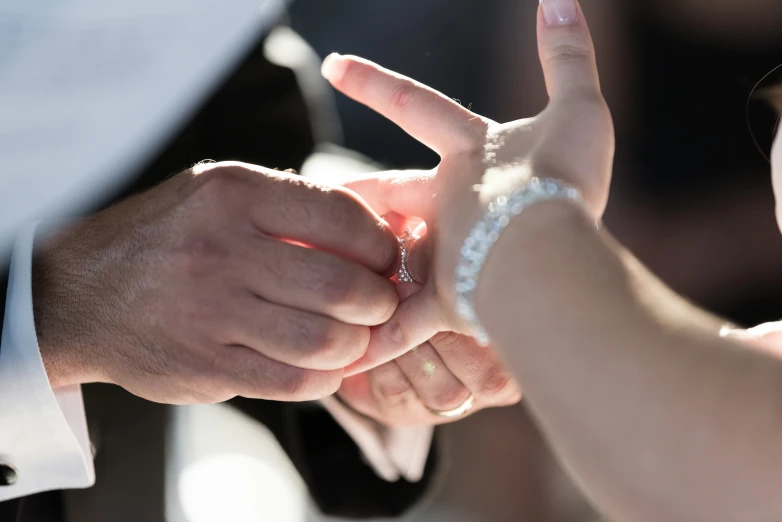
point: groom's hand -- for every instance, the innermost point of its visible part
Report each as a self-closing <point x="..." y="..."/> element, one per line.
<point x="229" y="279"/>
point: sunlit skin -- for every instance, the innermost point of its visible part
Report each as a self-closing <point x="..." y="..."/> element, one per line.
<point x="776" y="175"/>
<point x="656" y="414"/>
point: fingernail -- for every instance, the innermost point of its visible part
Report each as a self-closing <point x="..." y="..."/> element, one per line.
<point x="559" y="13"/>
<point x="333" y="68"/>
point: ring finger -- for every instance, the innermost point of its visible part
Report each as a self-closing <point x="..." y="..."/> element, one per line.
<point x="478" y="367"/>
<point x="434" y="383"/>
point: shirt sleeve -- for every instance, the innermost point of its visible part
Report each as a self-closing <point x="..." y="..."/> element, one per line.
<point x="393" y="453"/>
<point x="43" y="432"/>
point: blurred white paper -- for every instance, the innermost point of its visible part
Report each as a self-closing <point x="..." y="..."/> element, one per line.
<point x="90" y="89"/>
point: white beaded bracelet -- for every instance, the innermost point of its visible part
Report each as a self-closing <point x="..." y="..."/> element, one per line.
<point x="485" y="234"/>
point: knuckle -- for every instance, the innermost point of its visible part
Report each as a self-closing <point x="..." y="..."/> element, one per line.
<point x="344" y="211"/>
<point x="401" y="96"/>
<point x="355" y="346"/>
<point x="328" y="344"/>
<point x="306" y="385"/>
<point x="338" y="289"/>
<point x="221" y="182"/>
<point x="495" y="383"/>
<point x="326" y="337"/>
<point x="275" y="264"/>
<point x="321" y="209"/>
<point x="394" y="332"/>
<point x="208" y="391"/>
<point x="392" y="392"/>
<point x="295" y="329"/>
<point x="386" y="250"/>
<point x="450" y="397"/>
<point x="342" y="344"/>
<point x="330" y="386"/>
<point x="568" y="52"/>
<point x="298" y="384"/>
<point x="200" y="255"/>
<point x="204" y="375"/>
<point x="384" y="305"/>
<point x="303" y="209"/>
<point x="447" y="341"/>
<point x="193" y="319"/>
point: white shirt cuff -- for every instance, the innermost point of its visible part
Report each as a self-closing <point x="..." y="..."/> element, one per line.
<point x="43" y="432"/>
<point x="393" y="453"/>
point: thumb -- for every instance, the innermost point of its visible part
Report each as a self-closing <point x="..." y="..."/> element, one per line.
<point x="566" y="50"/>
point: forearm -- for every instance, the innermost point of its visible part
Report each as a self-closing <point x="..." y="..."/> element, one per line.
<point x="659" y="417"/>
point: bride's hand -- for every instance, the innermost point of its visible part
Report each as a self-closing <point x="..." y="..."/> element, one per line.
<point x="571" y="140"/>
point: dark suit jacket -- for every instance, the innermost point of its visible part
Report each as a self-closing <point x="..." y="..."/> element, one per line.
<point x="259" y="116"/>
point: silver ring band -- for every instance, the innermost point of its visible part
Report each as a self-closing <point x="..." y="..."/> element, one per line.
<point x="403" y="274"/>
<point x="457" y="412"/>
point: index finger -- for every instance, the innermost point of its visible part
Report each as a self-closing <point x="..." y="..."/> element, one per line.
<point x="427" y="115"/>
<point x="317" y="215"/>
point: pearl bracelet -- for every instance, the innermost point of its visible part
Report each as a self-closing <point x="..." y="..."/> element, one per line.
<point x="485" y="234"/>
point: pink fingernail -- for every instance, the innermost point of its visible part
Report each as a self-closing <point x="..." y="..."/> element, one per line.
<point x="333" y="68"/>
<point x="559" y="13"/>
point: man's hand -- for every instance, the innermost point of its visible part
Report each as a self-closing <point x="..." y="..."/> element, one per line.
<point x="226" y="280"/>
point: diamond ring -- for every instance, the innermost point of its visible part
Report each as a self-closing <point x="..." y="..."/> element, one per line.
<point x="405" y="241"/>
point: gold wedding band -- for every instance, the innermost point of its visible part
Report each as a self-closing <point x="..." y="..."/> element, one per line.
<point x="457" y="412"/>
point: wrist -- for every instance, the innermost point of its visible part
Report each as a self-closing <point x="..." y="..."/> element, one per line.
<point x="535" y="264"/>
<point x="554" y="279"/>
<point x="484" y="235"/>
<point x="64" y="341"/>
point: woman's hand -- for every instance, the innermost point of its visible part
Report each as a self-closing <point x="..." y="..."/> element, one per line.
<point x="572" y="140"/>
<point x="448" y="373"/>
